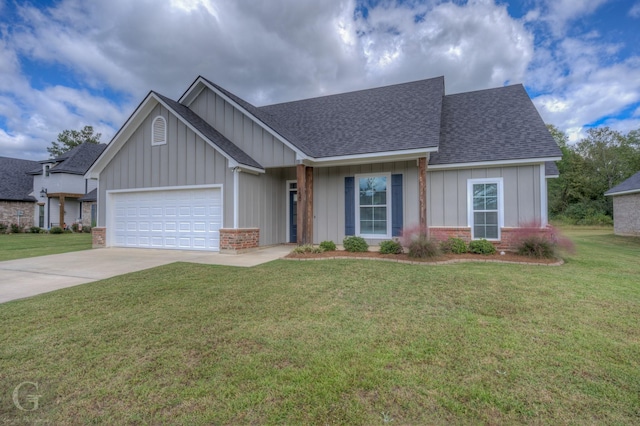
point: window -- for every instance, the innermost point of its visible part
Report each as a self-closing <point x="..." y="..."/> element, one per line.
<point x="485" y="203"/>
<point x="46" y="170"/>
<point x="373" y="206"/>
<point x="159" y="131"/>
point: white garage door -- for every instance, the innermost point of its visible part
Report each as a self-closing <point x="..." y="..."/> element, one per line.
<point x="184" y="219"/>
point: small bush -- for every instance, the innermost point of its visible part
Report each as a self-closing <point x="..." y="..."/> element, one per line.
<point x="423" y="248"/>
<point x="3" y="228"/>
<point x="537" y="246"/>
<point x="454" y="245"/>
<point x="75" y="227"/>
<point x="307" y="248"/>
<point x="15" y="228"/>
<point x="481" y="247"/>
<point x="35" y="230"/>
<point x="86" y="229"/>
<point x="390" y="247"/>
<point x="355" y="244"/>
<point x="56" y="230"/>
<point x="328" y="246"/>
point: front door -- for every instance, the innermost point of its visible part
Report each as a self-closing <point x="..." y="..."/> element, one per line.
<point x="293" y="216"/>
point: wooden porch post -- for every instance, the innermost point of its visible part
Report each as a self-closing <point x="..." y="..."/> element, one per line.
<point x="302" y="203"/>
<point x="61" y="223"/>
<point x="422" y="197"/>
<point x="309" y="208"/>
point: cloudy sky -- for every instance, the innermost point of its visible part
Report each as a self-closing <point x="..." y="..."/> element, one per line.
<point x="69" y="63"/>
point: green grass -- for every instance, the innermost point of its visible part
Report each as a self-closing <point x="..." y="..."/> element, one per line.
<point x="18" y="246"/>
<point x="337" y="342"/>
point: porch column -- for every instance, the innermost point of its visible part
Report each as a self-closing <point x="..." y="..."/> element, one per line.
<point x="304" y="176"/>
<point x="422" y="191"/>
<point x="61" y="223"/>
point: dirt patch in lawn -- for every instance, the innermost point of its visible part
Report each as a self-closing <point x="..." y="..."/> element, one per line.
<point x="507" y="257"/>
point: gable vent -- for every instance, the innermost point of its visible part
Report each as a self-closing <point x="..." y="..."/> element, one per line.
<point x="159" y="131"/>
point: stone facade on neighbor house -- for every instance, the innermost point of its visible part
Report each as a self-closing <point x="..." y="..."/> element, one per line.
<point x="17" y="212"/>
<point x="211" y="171"/>
<point x="626" y="206"/>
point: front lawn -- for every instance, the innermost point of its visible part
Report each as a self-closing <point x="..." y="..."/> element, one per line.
<point x="336" y="342"/>
<point x="17" y="246"/>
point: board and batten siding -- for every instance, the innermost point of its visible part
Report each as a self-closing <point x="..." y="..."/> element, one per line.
<point x="257" y="142"/>
<point x="186" y="159"/>
<point x="447" y="195"/>
<point x="328" y="196"/>
<point x="262" y="203"/>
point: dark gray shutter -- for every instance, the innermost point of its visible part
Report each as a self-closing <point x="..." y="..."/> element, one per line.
<point x="349" y="206"/>
<point x="396" y="205"/>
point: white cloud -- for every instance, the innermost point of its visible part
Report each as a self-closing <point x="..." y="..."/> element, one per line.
<point x="634" y="12"/>
<point x="560" y="12"/>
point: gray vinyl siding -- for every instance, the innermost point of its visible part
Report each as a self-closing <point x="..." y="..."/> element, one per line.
<point x="447" y="195"/>
<point x="328" y="200"/>
<point x="258" y="143"/>
<point x="262" y="203"/>
<point x="186" y="159"/>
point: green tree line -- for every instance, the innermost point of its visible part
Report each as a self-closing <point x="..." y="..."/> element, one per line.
<point x="589" y="168"/>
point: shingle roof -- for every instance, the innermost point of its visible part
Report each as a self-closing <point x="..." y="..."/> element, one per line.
<point x="76" y="161"/>
<point x="15" y="183"/>
<point x="551" y="169"/>
<point x="391" y="118"/>
<point x="492" y="125"/>
<point x="210" y="133"/>
<point x="89" y="196"/>
<point x="630" y="185"/>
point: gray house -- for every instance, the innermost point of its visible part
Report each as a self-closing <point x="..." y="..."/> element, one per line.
<point x="214" y="172"/>
<point x="17" y="204"/>
<point x="626" y="206"/>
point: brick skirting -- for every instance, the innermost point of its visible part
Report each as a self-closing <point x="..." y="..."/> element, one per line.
<point x="234" y="241"/>
<point x="98" y="237"/>
<point x="507" y="236"/>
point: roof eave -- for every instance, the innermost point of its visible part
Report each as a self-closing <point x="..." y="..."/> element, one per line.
<point x="468" y="165"/>
<point x="629" y="192"/>
<point x="368" y="158"/>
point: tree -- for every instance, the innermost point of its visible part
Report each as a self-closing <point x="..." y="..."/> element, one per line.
<point x="69" y="139"/>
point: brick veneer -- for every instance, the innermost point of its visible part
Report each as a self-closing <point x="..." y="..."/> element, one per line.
<point x="98" y="237"/>
<point x="507" y="236"/>
<point x="238" y="240"/>
<point x="626" y="214"/>
<point x="9" y="213"/>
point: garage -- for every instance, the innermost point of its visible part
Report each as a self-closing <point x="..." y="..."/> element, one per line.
<point x="178" y="219"/>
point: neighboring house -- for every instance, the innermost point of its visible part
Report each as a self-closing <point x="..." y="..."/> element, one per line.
<point x="626" y="206"/>
<point x="17" y="205"/>
<point x="213" y="172"/>
<point x="61" y="188"/>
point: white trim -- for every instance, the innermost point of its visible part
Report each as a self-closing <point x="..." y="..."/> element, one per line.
<point x="631" y="191"/>
<point x="470" y="222"/>
<point x="356" y="191"/>
<point x="492" y="163"/>
<point x="153" y="131"/>
<point x="236" y="197"/>
<point x="288" y="207"/>
<point x="374" y="157"/>
<point x="544" y="206"/>
<point x="189" y="97"/>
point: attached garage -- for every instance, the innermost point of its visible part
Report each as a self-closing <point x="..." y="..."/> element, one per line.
<point x="185" y="218"/>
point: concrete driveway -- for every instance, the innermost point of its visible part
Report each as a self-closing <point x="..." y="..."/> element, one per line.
<point x="28" y="277"/>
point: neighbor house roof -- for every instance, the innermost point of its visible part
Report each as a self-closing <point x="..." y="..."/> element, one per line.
<point x="391" y="118"/>
<point x="551" y="169"/>
<point x="76" y="161"/>
<point x="15" y="182"/>
<point x="629" y="186"/>
<point x="89" y="196"/>
<point x="492" y="125"/>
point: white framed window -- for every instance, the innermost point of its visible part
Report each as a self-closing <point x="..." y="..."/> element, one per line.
<point x="47" y="169"/>
<point x="373" y="205"/>
<point x="485" y="203"/>
<point x="159" y="131"/>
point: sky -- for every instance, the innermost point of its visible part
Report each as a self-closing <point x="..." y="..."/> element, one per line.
<point x="65" y="64"/>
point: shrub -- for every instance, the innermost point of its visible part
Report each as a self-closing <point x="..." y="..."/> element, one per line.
<point x="411" y="233"/>
<point x="3" y="228"/>
<point x="454" y="245"/>
<point x="328" y="246"/>
<point x="481" y="247"/>
<point x="56" y="230"/>
<point x="390" y="247"/>
<point x="355" y="244"/>
<point x="536" y="246"/>
<point x="307" y="248"/>
<point x="35" y="230"/>
<point x="15" y="228"/>
<point x="422" y="247"/>
<point x="86" y="229"/>
<point x="75" y="227"/>
<point x="535" y="241"/>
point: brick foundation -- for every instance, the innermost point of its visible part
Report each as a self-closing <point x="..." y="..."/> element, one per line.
<point x="508" y="236"/>
<point x="9" y="213"/>
<point x="98" y="237"/>
<point x="234" y="241"/>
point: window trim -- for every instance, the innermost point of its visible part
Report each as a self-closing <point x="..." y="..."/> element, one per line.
<point x="356" y="191"/>
<point x="47" y="170"/>
<point x="153" y="131"/>
<point x="470" y="211"/>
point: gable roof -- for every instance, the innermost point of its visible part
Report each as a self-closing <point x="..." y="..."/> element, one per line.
<point x="90" y="196"/>
<point x="76" y="161"/>
<point x="391" y="118"/>
<point x="629" y="186"/>
<point x="551" y="169"/>
<point x="493" y="125"/>
<point x="15" y="182"/>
